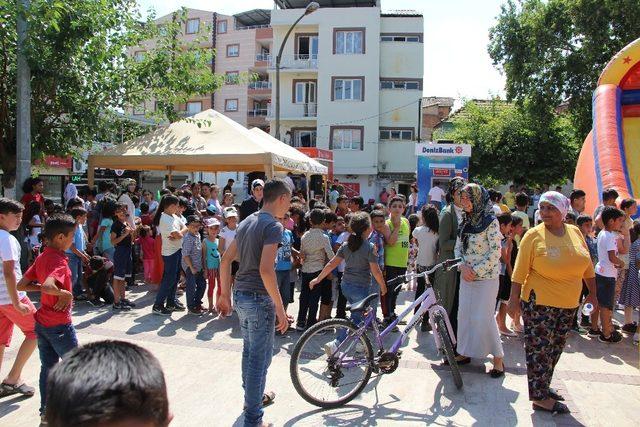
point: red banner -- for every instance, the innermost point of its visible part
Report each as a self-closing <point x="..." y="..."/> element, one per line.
<point x="351" y="189"/>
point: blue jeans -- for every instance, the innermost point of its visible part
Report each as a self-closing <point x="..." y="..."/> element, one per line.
<point x="196" y="285"/>
<point x="75" y="265"/>
<point x="170" y="277"/>
<point x="257" y="316"/>
<point x="53" y="343"/>
<point x="353" y="293"/>
<point x="374" y="288"/>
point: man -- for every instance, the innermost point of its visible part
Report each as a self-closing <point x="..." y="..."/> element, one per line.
<point x="437" y="196"/>
<point x="289" y="180"/>
<point x="510" y="197"/>
<point x="229" y="187"/>
<point x="578" y="200"/>
<point x="255" y="294"/>
<point x="333" y="197"/>
<point x="253" y="203"/>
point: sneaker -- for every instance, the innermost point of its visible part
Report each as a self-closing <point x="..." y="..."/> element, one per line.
<point x="160" y="310"/>
<point x="176" y="307"/>
<point x="96" y="302"/>
<point x="128" y="303"/>
<point x="118" y="306"/>
<point x="593" y="333"/>
<point x="300" y="328"/>
<point x="615" y="337"/>
<point x="179" y="304"/>
<point x="630" y="328"/>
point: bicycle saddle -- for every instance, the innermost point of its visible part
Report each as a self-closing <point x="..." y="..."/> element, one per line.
<point x="361" y="305"/>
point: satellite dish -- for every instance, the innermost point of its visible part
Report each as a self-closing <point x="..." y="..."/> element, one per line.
<point x="119" y="172"/>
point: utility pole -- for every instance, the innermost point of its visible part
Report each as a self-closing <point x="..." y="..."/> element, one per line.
<point x="23" y="104"/>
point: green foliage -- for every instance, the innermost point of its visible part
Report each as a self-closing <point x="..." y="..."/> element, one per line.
<point x="83" y="72"/>
<point x="553" y="51"/>
<point x="511" y="144"/>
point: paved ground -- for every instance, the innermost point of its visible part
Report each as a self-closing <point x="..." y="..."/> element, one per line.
<point x="201" y="360"/>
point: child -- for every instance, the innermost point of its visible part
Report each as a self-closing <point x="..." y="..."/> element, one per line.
<point x="148" y="246"/>
<point x="326" y="292"/>
<point x="32" y="223"/>
<point x="585" y="224"/>
<point x="570" y="218"/>
<point x="396" y="253"/>
<point x="522" y="201"/>
<point x="426" y="238"/>
<point x="342" y="208"/>
<point x="54" y="328"/>
<point x="228" y="235"/>
<point x="113" y="367"/>
<point x="284" y="264"/>
<point x="342" y="233"/>
<point x="98" y="277"/>
<point x="315" y="249"/>
<point x="414" y="219"/>
<point x="15" y="306"/>
<point x="630" y="292"/>
<point x="606" y="273"/>
<point x="505" y="220"/>
<point x="146" y="218"/>
<point x="121" y="239"/>
<point x="102" y="239"/>
<point x="361" y="263"/>
<point x="77" y="253"/>
<point x="517" y="227"/>
<point x="377" y="238"/>
<point x="210" y="246"/>
<point x="192" y="265"/>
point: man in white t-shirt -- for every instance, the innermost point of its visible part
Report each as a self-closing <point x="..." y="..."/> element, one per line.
<point x="437" y="196"/>
<point x="15" y="306"/>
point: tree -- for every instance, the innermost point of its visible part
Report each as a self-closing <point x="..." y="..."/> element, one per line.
<point x="510" y="144"/>
<point x="553" y="51"/>
<point x="82" y="75"/>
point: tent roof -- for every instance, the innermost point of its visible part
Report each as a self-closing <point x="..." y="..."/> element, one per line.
<point x="218" y="145"/>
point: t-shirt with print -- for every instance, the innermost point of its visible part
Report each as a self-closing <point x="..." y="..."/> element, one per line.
<point x="357" y="270"/>
<point x="192" y="248"/>
<point x="9" y="251"/>
<point x="118" y="228"/>
<point x="212" y="253"/>
<point x="254" y="233"/>
<point x="283" y="259"/>
<point x="397" y="255"/>
<point x="51" y="263"/>
<point x="168" y="224"/>
<point x="607" y="241"/>
<point x="105" y="239"/>
<point x="437" y="194"/>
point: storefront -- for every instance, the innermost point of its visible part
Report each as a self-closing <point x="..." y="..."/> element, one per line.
<point x="439" y="163"/>
<point x="317" y="187"/>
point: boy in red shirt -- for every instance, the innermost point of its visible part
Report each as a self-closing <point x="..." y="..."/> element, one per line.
<point x="50" y="275"/>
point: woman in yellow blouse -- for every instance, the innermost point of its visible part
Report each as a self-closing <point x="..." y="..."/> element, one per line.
<point x="546" y="282"/>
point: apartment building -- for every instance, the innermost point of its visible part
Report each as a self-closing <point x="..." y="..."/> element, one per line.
<point x="351" y="82"/>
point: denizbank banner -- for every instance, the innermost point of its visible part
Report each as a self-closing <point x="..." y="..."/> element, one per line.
<point x="443" y="150"/>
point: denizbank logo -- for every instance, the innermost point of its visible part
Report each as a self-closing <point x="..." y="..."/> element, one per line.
<point x="443" y="150"/>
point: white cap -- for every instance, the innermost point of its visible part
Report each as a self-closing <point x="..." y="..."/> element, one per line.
<point x="211" y="222"/>
<point x="257" y="182"/>
<point x="229" y="212"/>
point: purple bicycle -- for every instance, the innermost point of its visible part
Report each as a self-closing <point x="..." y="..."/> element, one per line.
<point x="333" y="360"/>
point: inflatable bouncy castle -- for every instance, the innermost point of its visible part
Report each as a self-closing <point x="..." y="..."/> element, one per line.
<point x="610" y="156"/>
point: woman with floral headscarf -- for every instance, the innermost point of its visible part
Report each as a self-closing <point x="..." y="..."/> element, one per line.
<point x="546" y="282"/>
<point x="479" y="246"/>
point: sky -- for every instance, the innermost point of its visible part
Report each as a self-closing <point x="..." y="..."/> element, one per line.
<point x="456" y="34"/>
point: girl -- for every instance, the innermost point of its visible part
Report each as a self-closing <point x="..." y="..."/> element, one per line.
<point x="413" y="248"/>
<point x="361" y="261"/>
<point x="102" y="239"/>
<point x="211" y="254"/>
<point x="426" y="239"/>
<point x="228" y="235"/>
<point x="148" y="246"/>
<point x="171" y="230"/>
<point x="32" y="223"/>
<point x="517" y="227"/>
<point x="121" y="238"/>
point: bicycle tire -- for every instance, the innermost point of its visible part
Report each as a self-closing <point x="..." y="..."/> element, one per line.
<point x="295" y="354"/>
<point x="447" y="348"/>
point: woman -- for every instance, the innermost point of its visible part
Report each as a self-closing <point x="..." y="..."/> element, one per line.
<point x="413" y="200"/>
<point x="32" y="189"/>
<point x="447" y="283"/>
<point x="552" y="262"/>
<point x="426" y="237"/>
<point x="479" y="245"/>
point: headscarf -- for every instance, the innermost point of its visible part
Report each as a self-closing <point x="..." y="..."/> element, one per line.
<point x="481" y="215"/>
<point x="455" y="184"/>
<point x="557" y="200"/>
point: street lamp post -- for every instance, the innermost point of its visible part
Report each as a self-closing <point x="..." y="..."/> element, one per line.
<point x="311" y="7"/>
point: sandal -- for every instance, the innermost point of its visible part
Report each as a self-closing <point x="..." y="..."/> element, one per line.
<point x="553" y="393"/>
<point x="494" y="373"/>
<point x="268" y="398"/>
<point x="558" y="408"/>
<point x="464" y="361"/>
<point x="10" y="389"/>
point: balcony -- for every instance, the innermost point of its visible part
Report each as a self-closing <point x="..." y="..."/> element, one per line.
<point x="295" y="62"/>
<point x="307" y="111"/>
<point x="262" y="60"/>
<point x="260" y="85"/>
<point x="258" y="112"/>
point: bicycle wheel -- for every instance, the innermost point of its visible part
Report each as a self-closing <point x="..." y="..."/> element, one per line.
<point x="447" y="349"/>
<point x="328" y="373"/>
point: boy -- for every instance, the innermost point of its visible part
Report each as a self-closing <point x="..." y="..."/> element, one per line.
<point x="342" y="208"/>
<point x="326" y="292"/>
<point x="77" y="253"/>
<point x="609" y="197"/>
<point x="504" y="291"/>
<point x="606" y="273"/>
<point x="284" y="264"/>
<point x="126" y="387"/>
<point x="396" y="253"/>
<point x="146" y="218"/>
<point x="121" y="239"/>
<point x="98" y="281"/>
<point x="585" y="224"/>
<point x="192" y="265"/>
<point x="522" y="201"/>
<point x="54" y="328"/>
<point x="15" y="307"/>
<point x="356" y="204"/>
<point x="315" y="249"/>
<point x="334" y="237"/>
<point x="377" y="238"/>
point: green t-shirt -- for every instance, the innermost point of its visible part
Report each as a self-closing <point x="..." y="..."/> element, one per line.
<point x="398" y="255"/>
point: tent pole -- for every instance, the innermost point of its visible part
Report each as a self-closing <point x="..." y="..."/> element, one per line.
<point x="308" y="185"/>
<point x="90" y="173"/>
<point x="170" y="177"/>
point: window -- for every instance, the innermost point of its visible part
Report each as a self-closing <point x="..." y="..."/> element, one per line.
<point x="413" y="38"/>
<point x="306" y="46"/>
<point x="232" y="77"/>
<point x="193" y="25"/>
<point x="346" y="138"/>
<point x="222" y="27"/>
<point x="396" y="134"/>
<point x="345" y="89"/>
<point x="233" y="50"/>
<point x="139" y="56"/>
<point x="230" y="105"/>
<point x="348" y="41"/>
<point x="401" y="84"/>
<point x="303" y="138"/>
<point x="194" y="107"/>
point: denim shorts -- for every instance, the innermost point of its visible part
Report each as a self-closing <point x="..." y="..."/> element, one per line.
<point x="605" y="291"/>
<point x="122" y="263"/>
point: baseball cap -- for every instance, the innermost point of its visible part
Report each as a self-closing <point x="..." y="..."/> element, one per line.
<point x="193" y="218"/>
<point x="256" y="183"/>
<point x="229" y="212"/>
<point x="128" y="181"/>
<point x="211" y="222"/>
<point x="212" y="209"/>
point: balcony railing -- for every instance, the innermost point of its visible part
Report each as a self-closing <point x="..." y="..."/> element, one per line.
<point x="298" y="61"/>
<point x="263" y="57"/>
<point x="295" y="111"/>
<point x="260" y="85"/>
<point x="258" y="112"/>
<point x="251" y="27"/>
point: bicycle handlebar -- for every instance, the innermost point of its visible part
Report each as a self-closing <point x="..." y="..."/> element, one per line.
<point x="447" y="265"/>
